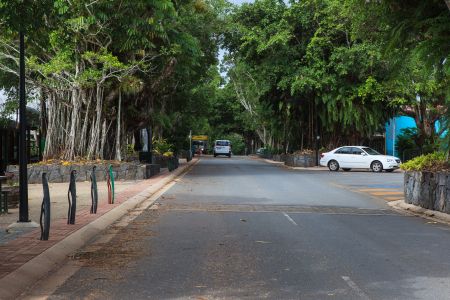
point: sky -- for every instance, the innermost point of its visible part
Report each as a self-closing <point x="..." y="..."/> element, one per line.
<point x="240" y="1"/>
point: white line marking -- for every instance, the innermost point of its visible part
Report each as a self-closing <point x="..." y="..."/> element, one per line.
<point x="289" y="218"/>
<point x="355" y="288"/>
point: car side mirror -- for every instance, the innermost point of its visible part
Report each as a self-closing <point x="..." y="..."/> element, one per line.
<point x="364" y="154"/>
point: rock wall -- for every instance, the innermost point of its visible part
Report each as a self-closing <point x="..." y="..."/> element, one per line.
<point x="61" y="173"/>
<point x="305" y="161"/>
<point x="160" y="160"/>
<point x="428" y="190"/>
<point x="279" y="157"/>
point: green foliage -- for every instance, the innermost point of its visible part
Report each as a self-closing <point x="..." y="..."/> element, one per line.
<point x="130" y="150"/>
<point x="341" y="68"/>
<point x="161" y="146"/>
<point x="436" y="161"/>
<point x="407" y="141"/>
<point x="159" y="55"/>
<point x="322" y="57"/>
<point x="237" y="143"/>
<point x="292" y="62"/>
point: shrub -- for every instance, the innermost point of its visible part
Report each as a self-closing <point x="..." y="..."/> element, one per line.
<point x="161" y="146"/>
<point x="408" y="147"/>
<point x="432" y="162"/>
<point x="237" y="143"/>
<point x="406" y="141"/>
<point x="168" y="154"/>
<point x="130" y="150"/>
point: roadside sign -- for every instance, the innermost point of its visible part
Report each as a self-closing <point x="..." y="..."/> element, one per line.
<point x="199" y="137"/>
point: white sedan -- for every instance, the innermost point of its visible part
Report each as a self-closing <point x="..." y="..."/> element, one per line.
<point x="358" y="157"/>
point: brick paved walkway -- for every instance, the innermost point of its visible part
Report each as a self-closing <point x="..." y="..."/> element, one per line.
<point x="15" y="253"/>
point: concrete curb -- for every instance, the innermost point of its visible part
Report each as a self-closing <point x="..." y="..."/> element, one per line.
<point x="17" y="282"/>
<point x="420" y="211"/>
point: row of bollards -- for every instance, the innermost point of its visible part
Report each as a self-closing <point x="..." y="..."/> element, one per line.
<point x="72" y="199"/>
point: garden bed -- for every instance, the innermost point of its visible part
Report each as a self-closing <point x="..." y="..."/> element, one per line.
<point x="427" y="181"/>
<point x="60" y="172"/>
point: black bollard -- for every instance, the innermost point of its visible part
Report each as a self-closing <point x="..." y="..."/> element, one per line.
<point x="94" y="192"/>
<point x="72" y="198"/>
<point x="45" y="210"/>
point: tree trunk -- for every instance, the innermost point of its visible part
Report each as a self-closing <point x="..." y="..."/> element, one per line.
<point x="102" y="141"/>
<point x="118" y="150"/>
<point x="93" y="149"/>
<point x="82" y="144"/>
<point x="69" y="151"/>
<point x="50" y="127"/>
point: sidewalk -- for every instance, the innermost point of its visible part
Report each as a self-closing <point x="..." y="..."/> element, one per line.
<point x="24" y="249"/>
<point x="59" y="203"/>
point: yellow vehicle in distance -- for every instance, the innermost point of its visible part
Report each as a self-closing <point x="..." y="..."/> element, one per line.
<point x="199" y="144"/>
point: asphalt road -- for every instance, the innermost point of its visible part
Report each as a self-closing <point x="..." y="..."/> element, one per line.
<point x="244" y="229"/>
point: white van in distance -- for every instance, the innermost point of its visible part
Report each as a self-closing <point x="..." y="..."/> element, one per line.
<point x="222" y="147"/>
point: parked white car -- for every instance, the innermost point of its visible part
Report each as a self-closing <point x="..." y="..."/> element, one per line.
<point x="358" y="157"/>
<point x="222" y="147"/>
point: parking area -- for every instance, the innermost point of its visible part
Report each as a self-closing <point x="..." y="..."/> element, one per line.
<point x="388" y="186"/>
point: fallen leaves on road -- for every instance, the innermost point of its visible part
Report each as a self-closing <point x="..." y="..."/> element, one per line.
<point x="125" y="247"/>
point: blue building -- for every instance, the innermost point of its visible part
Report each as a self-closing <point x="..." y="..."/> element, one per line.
<point x="393" y="129"/>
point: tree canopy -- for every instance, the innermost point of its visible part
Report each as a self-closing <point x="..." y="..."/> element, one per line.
<point x="339" y="69"/>
<point x="89" y="62"/>
<point x="293" y="71"/>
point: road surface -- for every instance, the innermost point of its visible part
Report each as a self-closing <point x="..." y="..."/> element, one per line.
<point x="245" y="229"/>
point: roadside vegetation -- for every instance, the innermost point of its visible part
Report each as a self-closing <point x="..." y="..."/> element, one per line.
<point x="292" y="72"/>
<point x="103" y="70"/>
<point x="339" y="70"/>
<point x="437" y="161"/>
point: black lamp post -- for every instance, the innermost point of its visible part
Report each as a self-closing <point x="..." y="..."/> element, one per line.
<point x="23" y="160"/>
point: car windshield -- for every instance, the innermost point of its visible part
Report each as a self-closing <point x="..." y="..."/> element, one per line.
<point x="222" y="143"/>
<point x="370" y="151"/>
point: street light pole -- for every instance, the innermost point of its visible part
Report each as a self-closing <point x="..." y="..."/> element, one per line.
<point x="23" y="160"/>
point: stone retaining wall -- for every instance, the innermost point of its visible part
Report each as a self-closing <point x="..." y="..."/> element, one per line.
<point x="305" y="161"/>
<point x="279" y="157"/>
<point x="428" y="190"/>
<point x="60" y="173"/>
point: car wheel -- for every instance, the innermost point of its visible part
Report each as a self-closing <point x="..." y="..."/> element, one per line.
<point x="229" y="155"/>
<point x="390" y="170"/>
<point x="376" y="166"/>
<point x="333" y="165"/>
<point x="346" y="169"/>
